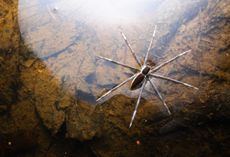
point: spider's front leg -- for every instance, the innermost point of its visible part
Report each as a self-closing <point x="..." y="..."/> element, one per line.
<point x="131" y="50"/>
<point x="169" y="61"/>
<point x="150" y="45"/>
<point x="118" y="63"/>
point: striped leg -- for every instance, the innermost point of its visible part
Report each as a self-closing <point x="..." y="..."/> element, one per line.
<point x="137" y="104"/>
<point x="118" y="63"/>
<point x="116" y="87"/>
<point x="159" y="95"/>
<point x="173" y="80"/>
<point x="169" y="61"/>
<point x="150" y="45"/>
<point x="131" y="50"/>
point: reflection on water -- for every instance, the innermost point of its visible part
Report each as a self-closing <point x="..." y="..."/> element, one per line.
<point x="68" y="35"/>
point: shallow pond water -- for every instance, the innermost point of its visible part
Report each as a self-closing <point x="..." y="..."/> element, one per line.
<point x="51" y="76"/>
<point x="69" y="37"/>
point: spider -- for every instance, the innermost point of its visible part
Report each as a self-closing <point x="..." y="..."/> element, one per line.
<point x="144" y="74"/>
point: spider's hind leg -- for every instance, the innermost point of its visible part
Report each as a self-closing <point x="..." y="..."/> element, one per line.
<point x="138" y="102"/>
<point x="159" y="95"/>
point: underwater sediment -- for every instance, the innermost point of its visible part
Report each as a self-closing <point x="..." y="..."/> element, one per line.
<point x="39" y="116"/>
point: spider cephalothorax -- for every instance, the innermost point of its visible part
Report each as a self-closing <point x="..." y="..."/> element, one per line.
<point x="144" y="74"/>
<point x="145" y="70"/>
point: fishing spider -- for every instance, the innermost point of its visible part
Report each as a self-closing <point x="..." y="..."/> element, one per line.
<point x="143" y="74"/>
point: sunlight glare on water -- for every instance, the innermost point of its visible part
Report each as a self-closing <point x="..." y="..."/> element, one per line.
<point x="112" y="10"/>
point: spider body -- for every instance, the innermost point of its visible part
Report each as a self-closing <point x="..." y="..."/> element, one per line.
<point x="144" y="74"/>
<point x="138" y="80"/>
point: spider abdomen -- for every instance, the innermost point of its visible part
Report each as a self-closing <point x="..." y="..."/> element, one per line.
<point x="137" y="81"/>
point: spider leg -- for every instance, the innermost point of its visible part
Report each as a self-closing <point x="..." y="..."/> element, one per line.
<point x="169" y="61"/>
<point x="150" y="44"/>
<point x="159" y="95"/>
<point x="118" y="63"/>
<point x="137" y="104"/>
<point x="131" y="50"/>
<point x="173" y="80"/>
<point x="116" y="87"/>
